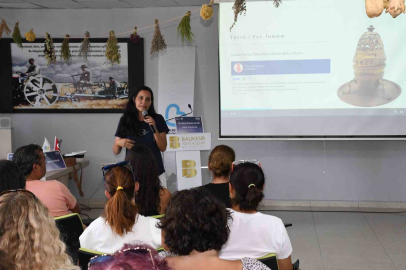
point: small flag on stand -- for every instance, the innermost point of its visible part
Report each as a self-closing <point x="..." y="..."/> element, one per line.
<point x="46" y="146"/>
<point x="56" y="145"/>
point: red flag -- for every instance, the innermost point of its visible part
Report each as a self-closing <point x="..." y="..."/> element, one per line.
<point x="56" y="145"/>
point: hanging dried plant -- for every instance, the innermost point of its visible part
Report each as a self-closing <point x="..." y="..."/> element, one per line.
<point x="239" y="7"/>
<point x="112" y="54"/>
<point x="65" y="50"/>
<point x="158" y="41"/>
<point x="184" y="28"/>
<point x="85" y="47"/>
<point x="276" y="3"/>
<point x="49" y="50"/>
<point x="4" y="28"/>
<point x="206" y="12"/>
<point x="18" y="39"/>
<point x="134" y="36"/>
<point x="30" y="36"/>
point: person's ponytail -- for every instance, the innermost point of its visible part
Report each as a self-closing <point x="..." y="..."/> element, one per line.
<point x="120" y="211"/>
<point x="252" y="199"/>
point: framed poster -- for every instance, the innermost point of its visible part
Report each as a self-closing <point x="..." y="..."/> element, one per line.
<point x="92" y="85"/>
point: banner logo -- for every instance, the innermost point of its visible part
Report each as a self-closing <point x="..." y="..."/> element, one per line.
<point x="174" y="142"/>
<point x="189" y="168"/>
<point x="167" y="114"/>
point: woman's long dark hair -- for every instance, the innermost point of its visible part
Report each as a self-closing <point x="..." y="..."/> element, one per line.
<point x="248" y="181"/>
<point x="129" y="121"/>
<point x="146" y="174"/>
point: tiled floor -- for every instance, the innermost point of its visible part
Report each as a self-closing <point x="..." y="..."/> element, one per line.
<point x="343" y="240"/>
<point x="347" y="241"/>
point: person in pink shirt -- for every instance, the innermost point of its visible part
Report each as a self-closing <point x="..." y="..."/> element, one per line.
<point x="53" y="194"/>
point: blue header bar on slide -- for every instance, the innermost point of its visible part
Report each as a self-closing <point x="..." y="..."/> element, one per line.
<point x="275" y="67"/>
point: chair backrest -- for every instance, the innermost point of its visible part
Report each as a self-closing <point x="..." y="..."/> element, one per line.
<point x="85" y="255"/>
<point x="270" y="261"/>
<point x="158" y="216"/>
<point x="70" y="227"/>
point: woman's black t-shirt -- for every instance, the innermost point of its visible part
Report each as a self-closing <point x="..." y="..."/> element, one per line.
<point x="145" y="136"/>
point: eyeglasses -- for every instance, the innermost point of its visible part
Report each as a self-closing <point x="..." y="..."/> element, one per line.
<point x="124" y="163"/>
<point x="253" y="161"/>
<point x="108" y="257"/>
<point x="18" y="191"/>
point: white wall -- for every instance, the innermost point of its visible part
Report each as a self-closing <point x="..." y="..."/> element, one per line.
<point x="354" y="170"/>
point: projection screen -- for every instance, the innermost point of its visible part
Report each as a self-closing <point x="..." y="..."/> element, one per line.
<point x="311" y="69"/>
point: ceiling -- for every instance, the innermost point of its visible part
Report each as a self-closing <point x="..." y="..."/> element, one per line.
<point x="96" y="4"/>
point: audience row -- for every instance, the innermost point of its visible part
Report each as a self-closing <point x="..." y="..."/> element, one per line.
<point x="216" y="226"/>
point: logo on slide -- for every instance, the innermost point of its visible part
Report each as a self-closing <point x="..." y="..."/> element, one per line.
<point x="178" y="112"/>
<point x="189" y="168"/>
<point x="238" y="67"/>
<point x="174" y="142"/>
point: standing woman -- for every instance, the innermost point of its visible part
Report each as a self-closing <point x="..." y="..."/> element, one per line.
<point x="150" y="130"/>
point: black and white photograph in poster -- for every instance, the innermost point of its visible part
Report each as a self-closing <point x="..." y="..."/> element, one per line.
<point x="79" y="84"/>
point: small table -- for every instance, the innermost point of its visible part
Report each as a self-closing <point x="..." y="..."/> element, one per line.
<point x="63" y="175"/>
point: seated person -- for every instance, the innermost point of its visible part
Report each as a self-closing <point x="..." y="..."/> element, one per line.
<point x="152" y="199"/>
<point x="194" y="229"/>
<point x="29" y="235"/>
<point x="252" y="233"/>
<point x="120" y="223"/>
<point x="140" y="257"/>
<point x="112" y="89"/>
<point x="10" y="176"/>
<point x="53" y="194"/>
<point x="220" y="161"/>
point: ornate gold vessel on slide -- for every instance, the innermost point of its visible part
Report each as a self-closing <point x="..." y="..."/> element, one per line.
<point x="368" y="88"/>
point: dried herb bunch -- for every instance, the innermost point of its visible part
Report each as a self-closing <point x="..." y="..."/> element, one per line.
<point x="18" y="39"/>
<point x="134" y="37"/>
<point x="158" y="41"/>
<point x="184" y="28"/>
<point x="85" y="47"/>
<point x="239" y="8"/>
<point x="30" y="36"/>
<point x="112" y="53"/>
<point x="4" y="28"/>
<point x="206" y="12"/>
<point x="49" y="50"/>
<point x="276" y="3"/>
<point x="65" y="50"/>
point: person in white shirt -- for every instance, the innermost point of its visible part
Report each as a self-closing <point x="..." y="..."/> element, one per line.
<point x="253" y="234"/>
<point x="120" y="224"/>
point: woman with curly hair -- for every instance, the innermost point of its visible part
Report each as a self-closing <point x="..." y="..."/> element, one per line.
<point x="120" y="223"/>
<point x="220" y="161"/>
<point x="194" y="229"/>
<point x="252" y="233"/>
<point x="141" y="124"/>
<point x="151" y="198"/>
<point x="135" y="257"/>
<point x="29" y="235"/>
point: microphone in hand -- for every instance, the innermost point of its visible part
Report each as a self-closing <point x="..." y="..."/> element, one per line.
<point x="145" y="114"/>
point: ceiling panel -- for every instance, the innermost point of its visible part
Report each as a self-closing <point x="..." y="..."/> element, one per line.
<point x="106" y="5"/>
<point x="18" y="5"/>
<point x="62" y="5"/>
<point x="48" y="1"/>
<point x="12" y="1"/>
<point x="192" y="2"/>
<point x="151" y="3"/>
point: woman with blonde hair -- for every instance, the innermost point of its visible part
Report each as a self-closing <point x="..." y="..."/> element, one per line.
<point x="29" y="235"/>
<point x="120" y="223"/>
<point x="220" y="161"/>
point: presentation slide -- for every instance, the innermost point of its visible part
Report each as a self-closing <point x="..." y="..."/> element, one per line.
<point x="311" y="68"/>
